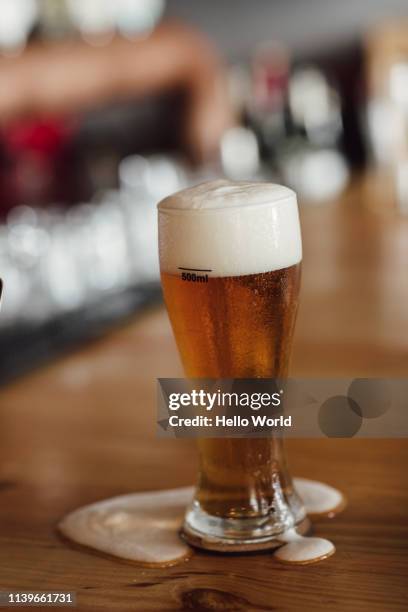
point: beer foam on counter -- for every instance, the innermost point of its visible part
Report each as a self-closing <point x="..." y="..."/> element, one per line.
<point x="144" y="527"/>
<point x="140" y="527"/>
<point x="228" y="228"/>
<point x="303" y="550"/>
<point x="318" y="497"/>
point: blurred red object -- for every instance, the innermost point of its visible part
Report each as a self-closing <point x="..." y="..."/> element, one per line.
<point x="271" y="67"/>
<point x="46" y="136"/>
<point x="32" y="153"/>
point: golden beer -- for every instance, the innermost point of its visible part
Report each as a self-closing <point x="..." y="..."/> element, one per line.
<point x="232" y="326"/>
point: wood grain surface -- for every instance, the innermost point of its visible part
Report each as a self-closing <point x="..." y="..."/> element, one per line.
<point x="83" y="429"/>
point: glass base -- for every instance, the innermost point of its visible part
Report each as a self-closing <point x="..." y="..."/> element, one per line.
<point x="203" y="530"/>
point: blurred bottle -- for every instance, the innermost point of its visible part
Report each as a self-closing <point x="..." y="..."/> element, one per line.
<point x="54" y="21"/>
<point x="311" y="159"/>
<point x="98" y="20"/>
<point x="296" y="115"/>
<point x="17" y="19"/>
<point x="267" y="109"/>
<point x="387" y="115"/>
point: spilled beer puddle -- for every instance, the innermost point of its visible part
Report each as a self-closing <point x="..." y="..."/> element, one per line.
<point x="144" y="527"/>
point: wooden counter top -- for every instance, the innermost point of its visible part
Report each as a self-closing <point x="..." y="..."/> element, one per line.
<point x="83" y="429"/>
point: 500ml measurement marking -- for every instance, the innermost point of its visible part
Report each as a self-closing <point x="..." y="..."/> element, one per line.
<point x="190" y="275"/>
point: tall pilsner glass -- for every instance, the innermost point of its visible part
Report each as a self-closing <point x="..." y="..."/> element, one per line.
<point x="230" y="259"/>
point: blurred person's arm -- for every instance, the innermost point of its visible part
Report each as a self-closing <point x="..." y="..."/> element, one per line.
<point x="72" y="76"/>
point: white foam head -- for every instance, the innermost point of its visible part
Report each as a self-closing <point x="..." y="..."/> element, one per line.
<point x="229" y="228"/>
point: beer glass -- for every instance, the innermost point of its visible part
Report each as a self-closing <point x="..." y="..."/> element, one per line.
<point x="230" y="258"/>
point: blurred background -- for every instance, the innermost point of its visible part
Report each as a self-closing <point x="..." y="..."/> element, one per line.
<point x="106" y="107"/>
